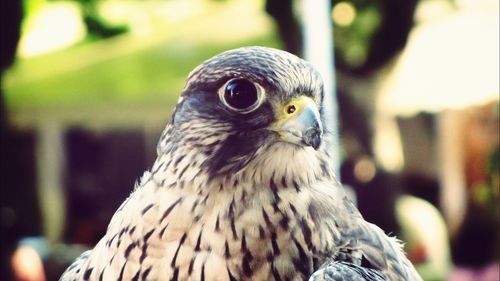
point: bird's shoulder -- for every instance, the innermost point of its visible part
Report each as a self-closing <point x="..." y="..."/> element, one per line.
<point x="332" y="208"/>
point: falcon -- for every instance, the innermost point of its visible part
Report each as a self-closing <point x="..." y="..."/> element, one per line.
<point x="243" y="188"/>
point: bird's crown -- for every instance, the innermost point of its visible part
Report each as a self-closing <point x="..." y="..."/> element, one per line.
<point x="274" y="69"/>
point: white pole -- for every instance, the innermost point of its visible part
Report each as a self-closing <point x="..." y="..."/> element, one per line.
<point x="50" y="166"/>
<point x="318" y="49"/>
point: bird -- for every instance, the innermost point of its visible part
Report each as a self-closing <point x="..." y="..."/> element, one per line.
<point x="244" y="188"/>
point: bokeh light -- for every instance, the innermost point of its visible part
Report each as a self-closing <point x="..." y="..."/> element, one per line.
<point x="343" y="13"/>
<point x="54" y="26"/>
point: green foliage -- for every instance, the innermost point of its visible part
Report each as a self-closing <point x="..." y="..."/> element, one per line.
<point x="353" y="42"/>
<point x="148" y="75"/>
<point x="132" y="69"/>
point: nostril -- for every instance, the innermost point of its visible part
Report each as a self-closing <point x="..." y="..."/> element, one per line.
<point x="290" y="109"/>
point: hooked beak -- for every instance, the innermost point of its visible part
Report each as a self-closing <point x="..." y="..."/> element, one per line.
<point x="299" y="123"/>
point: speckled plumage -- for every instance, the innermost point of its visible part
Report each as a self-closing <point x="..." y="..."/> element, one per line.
<point x="226" y="199"/>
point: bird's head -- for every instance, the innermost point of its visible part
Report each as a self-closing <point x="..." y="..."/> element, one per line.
<point x="252" y="104"/>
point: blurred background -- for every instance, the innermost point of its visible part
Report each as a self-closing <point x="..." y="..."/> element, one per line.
<point x="87" y="86"/>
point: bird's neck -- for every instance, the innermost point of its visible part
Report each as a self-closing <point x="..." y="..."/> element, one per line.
<point x="275" y="166"/>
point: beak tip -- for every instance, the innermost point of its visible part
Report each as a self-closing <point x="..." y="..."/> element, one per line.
<point x="312" y="137"/>
<point x="316" y="144"/>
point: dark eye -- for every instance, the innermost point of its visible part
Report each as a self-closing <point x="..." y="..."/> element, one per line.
<point x="241" y="95"/>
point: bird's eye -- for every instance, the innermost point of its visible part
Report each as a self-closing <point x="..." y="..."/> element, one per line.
<point x="241" y="95"/>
